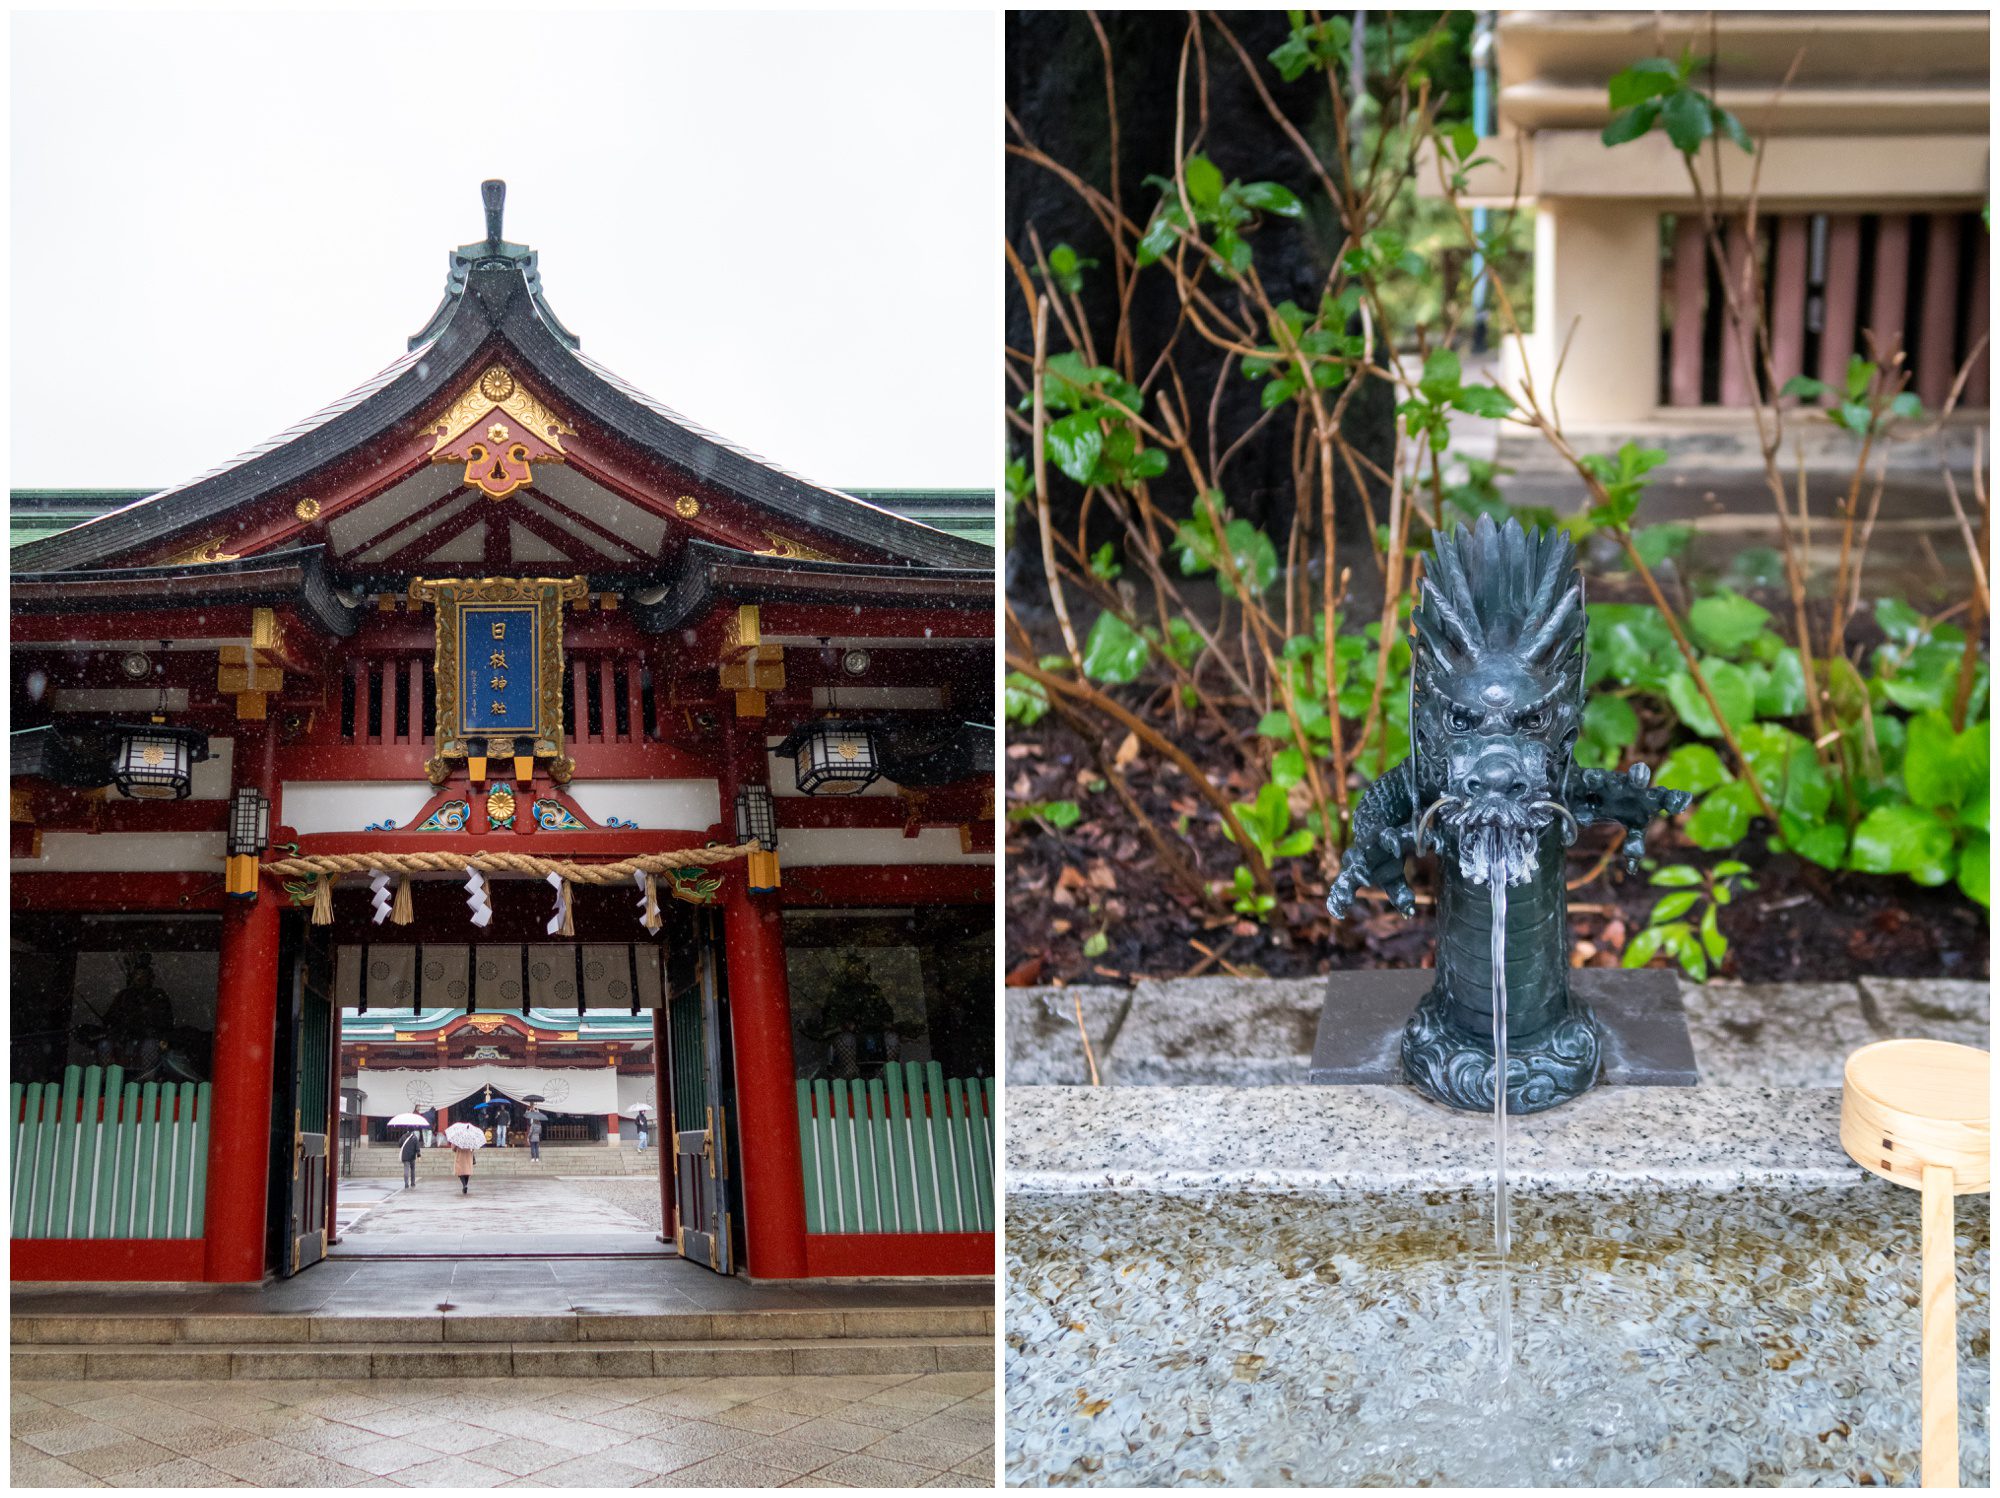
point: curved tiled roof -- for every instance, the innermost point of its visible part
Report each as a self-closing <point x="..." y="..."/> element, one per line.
<point x="493" y="297"/>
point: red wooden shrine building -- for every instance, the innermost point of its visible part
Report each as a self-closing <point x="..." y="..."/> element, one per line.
<point x="497" y="688"/>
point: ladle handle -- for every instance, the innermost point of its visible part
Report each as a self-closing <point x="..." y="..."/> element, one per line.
<point x="1940" y="1311"/>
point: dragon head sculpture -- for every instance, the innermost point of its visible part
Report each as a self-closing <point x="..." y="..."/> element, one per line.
<point x="1496" y="694"/>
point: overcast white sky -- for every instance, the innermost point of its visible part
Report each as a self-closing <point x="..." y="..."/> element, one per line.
<point x="783" y="225"/>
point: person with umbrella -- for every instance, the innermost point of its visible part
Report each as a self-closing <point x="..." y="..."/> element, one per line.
<point x="412" y="1149"/>
<point x="464" y="1139"/>
<point x="644" y="1118"/>
<point x="536" y="1118"/>
<point x="500" y="1122"/>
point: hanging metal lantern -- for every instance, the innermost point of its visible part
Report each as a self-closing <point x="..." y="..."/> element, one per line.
<point x="249" y="821"/>
<point x="756" y="817"/>
<point x="154" y="762"/>
<point x="757" y="820"/>
<point x="833" y="757"/>
<point x="249" y="835"/>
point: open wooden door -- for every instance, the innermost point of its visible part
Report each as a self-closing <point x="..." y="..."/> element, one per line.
<point x="699" y="1055"/>
<point x="313" y="1103"/>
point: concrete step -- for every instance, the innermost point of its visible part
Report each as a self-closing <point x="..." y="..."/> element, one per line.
<point x="631" y="1359"/>
<point x="28" y="1331"/>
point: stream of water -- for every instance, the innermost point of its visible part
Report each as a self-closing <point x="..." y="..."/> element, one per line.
<point x="1504" y="1330"/>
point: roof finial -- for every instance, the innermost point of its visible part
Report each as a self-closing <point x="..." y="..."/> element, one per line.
<point x="494" y="193"/>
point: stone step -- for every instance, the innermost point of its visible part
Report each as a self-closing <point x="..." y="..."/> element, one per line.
<point x="202" y="1331"/>
<point x="667" y="1359"/>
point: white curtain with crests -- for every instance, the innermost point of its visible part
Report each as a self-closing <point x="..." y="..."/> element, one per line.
<point x="387" y="1091"/>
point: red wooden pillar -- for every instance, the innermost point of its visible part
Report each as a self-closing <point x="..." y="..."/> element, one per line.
<point x="767" y="1114"/>
<point x="1739" y="377"/>
<point x="1690" y="306"/>
<point x="1841" y="295"/>
<point x="246" y="1022"/>
<point x="1892" y="285"/>
<point x="1937" y="330"/>
<point x="1977" y="326"/>
<point x="1788" y="299"/>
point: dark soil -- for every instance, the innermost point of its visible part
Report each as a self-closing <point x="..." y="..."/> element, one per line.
<point x="1801" y="923"/>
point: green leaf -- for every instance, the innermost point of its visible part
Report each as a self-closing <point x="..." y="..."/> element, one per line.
<point x="1646" y="79"/>
<point x="1288" y="767"/>
<point x="1442" y="376"/>
<point x="1486" y="401"/>
<point x="1723" y="817"/>
<point x="1734" y="694"/>
<point x="1644" y="947"/>
<point x="1731" y="128"/>
<point x="1204" y="183"/>
<point x="1253" y="552"/>
<point x="1609" y="720"/>
<point x="1027" y="701"/>
<point x="1782" y="691"/>
<point x="1058" y="814"/>
<point x="1629" y="643"/>
<point x="1901" y="623"/>
<point x="1932" y="771"/>
<point x="1694" y="768"/>
<point x="1676" y="876"/>
<point x="1272" y="198"/>
<point x="1103" y="564"/>
<point x="1298" y="845"/>
<point x="1670" y="906"/>
<point x="1972" y="869"/>
<point x="1076" y="442"/>
<point x="1713" y="941"/>
<point x="1726" y="621"/>
<point x="1096" y="944"/>
<point x="1632" y="124"/>
<point x="1655" y="543"/>
<point x="1903" y="839"/>
<point x="1823" y="843"/>
<point x="1114" y="652"/>
<point x="1686" y="118"/>
<point x="1805" y="387"/>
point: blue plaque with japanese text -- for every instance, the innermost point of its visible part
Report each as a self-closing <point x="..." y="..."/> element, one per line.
<point x="498" y="669"/>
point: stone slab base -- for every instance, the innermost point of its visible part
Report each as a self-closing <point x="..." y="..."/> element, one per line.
<point x="517" y="1359"/>
<point x="1646" y="1041"/>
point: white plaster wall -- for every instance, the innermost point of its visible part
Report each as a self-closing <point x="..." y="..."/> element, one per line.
<point x="350" y="805"/>
<point x="657" y="805"/>
<point x="126" y="853"/>
<point x="826" y="846"/>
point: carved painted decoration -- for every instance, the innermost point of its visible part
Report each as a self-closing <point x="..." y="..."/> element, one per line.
<point x="553" y="816"/>
<point x="500" y="807"/>
<point x="499" y="667"/>
<point x="498" y="431"/>
<point x="450" y="817"/>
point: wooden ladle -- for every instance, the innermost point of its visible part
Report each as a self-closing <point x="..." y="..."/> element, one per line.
<point x="1919" y="1113"/>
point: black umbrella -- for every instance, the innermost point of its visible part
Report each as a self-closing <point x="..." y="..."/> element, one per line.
<point x="533" y="1097"/>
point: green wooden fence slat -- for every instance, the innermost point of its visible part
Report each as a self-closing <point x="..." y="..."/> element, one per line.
<point x="128" y="1154"/>
<point x="856" y="1159"/>
<point x="864" y="1146"/>
<point x="27" y="1115"/>
<point x="183" y="1155"/>
<point x="91" y="1137"/>
<point x="947" y="1179"/>
<point x="64" y="1181"/>
<point x="809" y="1158"/>
<point x="45" y="1162"/>
<point x="878" y="1147"/>
<point x="147" y="1180"/>
<point x="829" y="1156"/>
<point x="961" y="1155"/>
<point x="204" y="1101"/>
<point x="898" y="1121"/>
<point x="921" y="1150"/>
<point x="107" y="1154"/>
<point x="981" y="1161"/>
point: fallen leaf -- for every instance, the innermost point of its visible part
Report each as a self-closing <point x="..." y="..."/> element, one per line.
<point x="1126" y="752"/>
<point x="1026" y="975"/>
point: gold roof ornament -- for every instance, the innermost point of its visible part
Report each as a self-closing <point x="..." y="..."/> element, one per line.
<point x="498" y="459"/>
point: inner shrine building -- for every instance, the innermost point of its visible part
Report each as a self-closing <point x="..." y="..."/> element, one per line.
<point x="499" y="733"/>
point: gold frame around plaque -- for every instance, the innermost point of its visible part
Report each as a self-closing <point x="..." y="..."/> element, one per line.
<point x="450" y="596"/>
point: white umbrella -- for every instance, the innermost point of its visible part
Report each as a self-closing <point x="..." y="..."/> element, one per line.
<point x="408" y="1121"/>
<point x="465" y="1136"/>
<point x="635" y="1110"/>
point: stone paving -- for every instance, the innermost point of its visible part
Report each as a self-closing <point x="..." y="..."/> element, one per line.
<point x="888" y="1430"/>
<point x="1259" y="1032"/>
<point x="496" y="1207"/>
